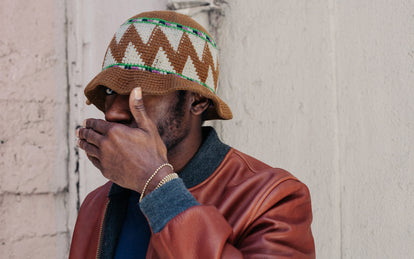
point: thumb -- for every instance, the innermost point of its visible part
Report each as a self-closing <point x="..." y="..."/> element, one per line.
<point x="136" y="105"/>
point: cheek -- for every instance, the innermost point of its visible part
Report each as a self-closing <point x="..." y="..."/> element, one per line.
<point x="152" y="113"/>
<point x="157" y="111"/>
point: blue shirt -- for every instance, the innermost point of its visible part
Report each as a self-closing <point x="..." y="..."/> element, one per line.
<point x="135" y="235"/>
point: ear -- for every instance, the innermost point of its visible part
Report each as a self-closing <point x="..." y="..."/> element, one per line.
<point x="199" y="104"/>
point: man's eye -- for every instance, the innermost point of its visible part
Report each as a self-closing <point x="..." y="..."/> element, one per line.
<point x="109" y="91"/>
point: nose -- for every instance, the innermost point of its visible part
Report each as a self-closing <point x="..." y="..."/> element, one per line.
<point x="117" y="109"/>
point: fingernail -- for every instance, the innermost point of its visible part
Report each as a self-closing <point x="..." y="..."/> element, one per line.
<point x="137" y="93"/>
<point x="84" y="123"/>
<point x="77" y="133"/>
<point x="78" y="142"/>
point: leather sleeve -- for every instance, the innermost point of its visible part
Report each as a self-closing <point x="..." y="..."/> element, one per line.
<point x="278" y="226"/>
<point x="86" y="233"/>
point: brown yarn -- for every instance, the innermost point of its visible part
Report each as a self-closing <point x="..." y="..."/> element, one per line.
<point x="153" y="64"/>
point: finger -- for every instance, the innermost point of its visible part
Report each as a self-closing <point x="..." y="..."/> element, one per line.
<point x="97" y="125"/>
<point x="95" y="161"/>
<point x="90" y="149"/>
<point x="90" y="136"/>
<point x="136" y="105"/>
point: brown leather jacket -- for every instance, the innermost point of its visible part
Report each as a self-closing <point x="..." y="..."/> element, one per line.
<point x="248" y="210"/>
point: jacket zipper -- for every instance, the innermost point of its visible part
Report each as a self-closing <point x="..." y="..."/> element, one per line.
<point x="98" y="252"/>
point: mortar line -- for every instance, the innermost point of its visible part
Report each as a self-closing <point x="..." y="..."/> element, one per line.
<point x="337" y="166"/>
<point x="67" y="198"/>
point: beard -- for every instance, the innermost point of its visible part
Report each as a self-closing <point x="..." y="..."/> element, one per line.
<point x="171" y="128"/>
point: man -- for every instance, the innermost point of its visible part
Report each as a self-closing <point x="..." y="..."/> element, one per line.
<point x="175" y="190"/>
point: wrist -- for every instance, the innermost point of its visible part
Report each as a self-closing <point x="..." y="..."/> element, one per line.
<point x="154" y="179"/>
<point x="163" y="172"/>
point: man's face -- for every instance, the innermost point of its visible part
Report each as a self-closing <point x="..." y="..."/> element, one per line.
<point x="170" y="113"/>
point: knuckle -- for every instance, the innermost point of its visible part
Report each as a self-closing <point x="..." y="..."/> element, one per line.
<point x="104" y="143"/>
<point x="90" y="123"/>
<point x="87" y="148"/>
<point x="139" y="106"/>
<point x="86" y="133"/>
<point x="98" y="142"/>
<point x="98" y="153"/>
<point x="113" y="130"/>
<point x="80" y="130"/>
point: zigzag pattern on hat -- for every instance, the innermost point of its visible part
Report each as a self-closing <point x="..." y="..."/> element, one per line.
<point x="173" y="25"/>
<point x="163" y="47"/>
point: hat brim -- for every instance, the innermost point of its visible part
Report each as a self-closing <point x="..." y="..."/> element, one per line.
<point x="122" y="81"/>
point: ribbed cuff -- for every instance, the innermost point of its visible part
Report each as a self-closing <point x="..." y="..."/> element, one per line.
<point x="166" y="202"/>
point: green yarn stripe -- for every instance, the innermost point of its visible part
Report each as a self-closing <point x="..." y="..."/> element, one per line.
<point x="146" y="68"/>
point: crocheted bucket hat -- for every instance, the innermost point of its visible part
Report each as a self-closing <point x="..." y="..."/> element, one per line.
<point x="160" y="51"/>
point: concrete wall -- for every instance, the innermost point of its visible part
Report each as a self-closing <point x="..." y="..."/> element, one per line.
<point x="320" y="88"/>
<point x="324" y="90"/>
<point x="91" y="26"/>
<point x="33" y="142"/>
<point x="375" y="98"/>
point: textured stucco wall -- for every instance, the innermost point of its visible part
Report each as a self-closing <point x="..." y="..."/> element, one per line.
<point x="91" y="26"/>
<point x="324" y="90"/>
<point x="33" y="149"/>
<point x="320" y="88"/>
<point x="277" y="75"/>
<point x="375" y="79"/>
